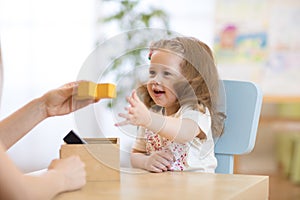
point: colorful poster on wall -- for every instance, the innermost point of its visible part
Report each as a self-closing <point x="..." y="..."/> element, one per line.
<point x="258" y="40"/>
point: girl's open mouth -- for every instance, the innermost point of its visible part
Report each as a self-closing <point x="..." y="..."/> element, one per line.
<point x="158" y="91"/>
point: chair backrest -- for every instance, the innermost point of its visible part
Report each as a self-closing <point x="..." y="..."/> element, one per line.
<point x="243" y="102"/>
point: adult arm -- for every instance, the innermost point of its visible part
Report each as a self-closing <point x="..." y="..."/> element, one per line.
<point x="62" y="175"/>
<point x="56" y="102"/>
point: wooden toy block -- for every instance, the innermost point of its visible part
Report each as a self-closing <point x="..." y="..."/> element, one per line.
<point x="91" y="90"/>
<point x="87" y="90"/>
<point x="106" y="90"/>
<point x="100" y="155"/>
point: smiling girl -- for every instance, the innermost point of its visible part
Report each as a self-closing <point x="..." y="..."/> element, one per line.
<point x="176" y="110"/>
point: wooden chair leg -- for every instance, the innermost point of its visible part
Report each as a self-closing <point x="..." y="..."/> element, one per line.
<point x="295" y="165"/>
<point x="284" y="148"/>
<point x="236" y="164"/>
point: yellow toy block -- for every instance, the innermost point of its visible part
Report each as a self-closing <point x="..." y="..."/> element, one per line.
<point x="87" y="90"/>
<point x="91" y="90"/>
<point x="106" y="90"/>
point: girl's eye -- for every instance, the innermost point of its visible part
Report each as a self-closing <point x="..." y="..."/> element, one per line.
<point x="166" y="73"/>
<point x="151" y="73"/>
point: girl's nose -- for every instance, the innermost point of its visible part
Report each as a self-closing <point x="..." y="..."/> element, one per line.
<point x="157" y="83"/>
<point x="155" y="80"/>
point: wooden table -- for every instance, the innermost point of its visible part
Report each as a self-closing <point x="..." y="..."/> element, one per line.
<point x="141" y="185"/>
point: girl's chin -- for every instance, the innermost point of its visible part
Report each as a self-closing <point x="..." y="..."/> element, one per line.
<point x="159" y="103"/>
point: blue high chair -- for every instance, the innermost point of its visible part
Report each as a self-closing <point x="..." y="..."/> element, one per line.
<point x="243" y="102"/>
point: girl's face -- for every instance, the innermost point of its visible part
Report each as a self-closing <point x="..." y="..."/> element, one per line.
<point x="164" y="71"/>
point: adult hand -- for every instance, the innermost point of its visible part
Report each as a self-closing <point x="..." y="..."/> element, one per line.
<point x="72" y="169"/>
<point x="137" y="113"/>
<point x="159" y="161"/>
<point x="63" y="100"/>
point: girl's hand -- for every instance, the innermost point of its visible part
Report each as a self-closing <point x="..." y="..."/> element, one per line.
<point x="137" y="113"/>
<point x="159" y="161"/>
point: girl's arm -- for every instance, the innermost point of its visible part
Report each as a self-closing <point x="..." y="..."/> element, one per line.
<point x="158" y="161"/>
<point x="175" y="129"/>
<point x="138" y="159"/>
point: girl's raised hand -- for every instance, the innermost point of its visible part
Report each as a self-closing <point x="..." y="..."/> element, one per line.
<point x="137" y="113"/>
